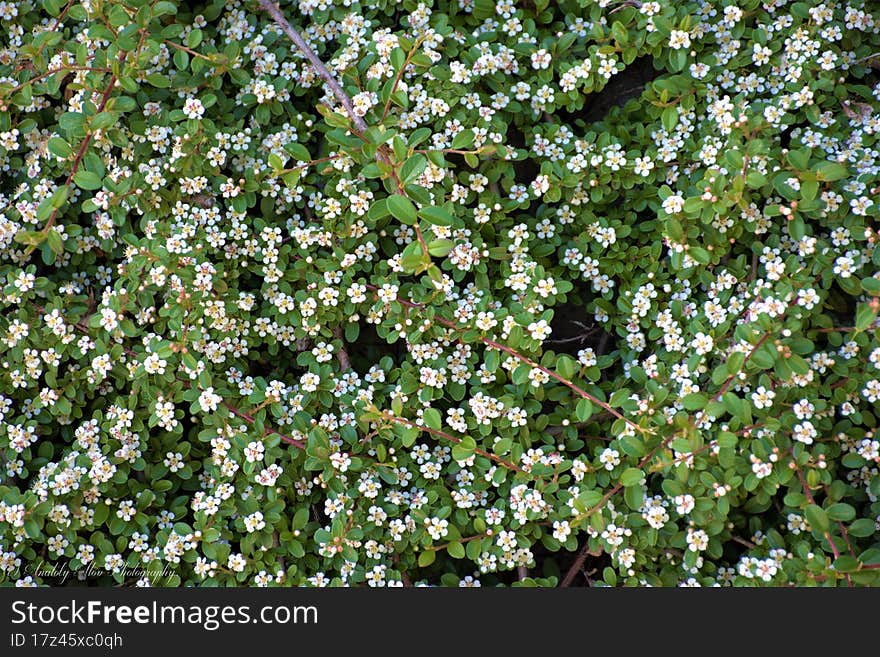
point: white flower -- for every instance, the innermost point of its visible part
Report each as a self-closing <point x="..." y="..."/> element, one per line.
<point x="679" y="39"/>
<point x="561" y="530"/>
<point x="763" y="398"/>
<point x="684" y="504"/>
<point x="697" y="540"/>
<point x="702" y="343"/>
<point x="610" y="458"/>
<point x="643" y="166"/>
<point x="539" y="330"/>
<point x="437" y="527"/>
<point x="193" y="108"/>
<point x="254" y="522"/>
<point x="254" y="451"/>
<point x="208" y="400"/>
<point x="673" y="204"/>
<point x="804" y="432"/>
<point x="309" y="382"/>
<point x="340" y="461"/>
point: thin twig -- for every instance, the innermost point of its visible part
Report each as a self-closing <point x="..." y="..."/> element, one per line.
<point x="86" y="330"/>
<point x="742" y="541"/>
<point x="579" y="562"/>
<point x="85" y="144"/>
<point x="453" y="439"/>
<point x="188" y="50"/>
<point x="812" y="500"/>
<point x="275" y="12"/>
<point x="528" y="361"/>
<point x="342" y="354"/>
<point x="53" y="71"/>
<point x="382" y="153"/>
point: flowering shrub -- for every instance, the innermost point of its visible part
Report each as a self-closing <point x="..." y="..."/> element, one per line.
<point x="377" y="297"/>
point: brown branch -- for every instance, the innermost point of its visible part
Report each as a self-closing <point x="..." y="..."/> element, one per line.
<point x="579" y="562"/>
<point x="399" y="76"/>
<point x="53" y="71"/>
<point x="598" y="417"/>
<point x="105" y="97"/>
<point x="189" y="51"/>
<point x="468" y="539"/>
<point x="250" y="420"/>
<point x="86" y="330"/>
<point x="843" y="532"/>
<point x="395" y="559"/>
<point x="528" y="361"/>
<point x="382" y="154"/>
<point x="742" y="541"/>
<point x="841" y="329"/>
<point x="275" y="12"/>
<point x="809" y="495"/>
<point x="453" y="439"/>
<point x="342" y="354"/>
<point x="580" y="391"/>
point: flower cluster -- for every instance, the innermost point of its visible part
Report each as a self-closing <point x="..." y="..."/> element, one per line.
<point x="445" y="309"/>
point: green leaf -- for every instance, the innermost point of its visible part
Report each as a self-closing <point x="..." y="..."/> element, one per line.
<point x="619" y="32"/>
<point x="846" y="564"/>
<point x="830" y="171"/>
<point x="431" y="417"/>
<point x="413" y="168"/>
<point x="440" y="248"/>
<point x="301" y="518"/>
<point x="841" y="511"/>
<point x="398" y="58"/>
<point x="412" y="262"/>
<point x="465" y="449"/>
<point x="298" y="152"/>
<point x="521" y="374"/>
<point x="53" y="238"/>
<point x="408" y="436"/>
<point x="455" y="550"/>
<point x="52" y="7"/>
<point x="275" y="161"/>
<point x="862" y="528"/>
<point x="87" y="180"/>
<point x="631" y="477"/>
<point x="436" y="216"/>
<point x="674" y="229"/>
<point x="31" y="528"/>
<point x="565" y="365"/>
<point x="402" y="209"/>
<point x="669" y="118"/>
<point x="734" y="362"/>
<point x="817" y="518"/>
<point x="103" y="120"/>
<point x="619" y="397"/>
<point x="865" y="316"/>
<point x="463" y="140"/>
<point x="29" y="237"/>
<point x="59" y="196"/>
<point x="59" y="147"/>
<point x="762" y="358"/>
<point x="159" y="80"/>
<point x="194" y="38"/>
<point x="583" y="410"/>
<point x="695" y="401"/>
<point x="122" y="103"/>
<point x="426" y="558"/>
<point x="634" y="497"/>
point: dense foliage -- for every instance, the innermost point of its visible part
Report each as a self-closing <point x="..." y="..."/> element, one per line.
<point x="480" y="331"/>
